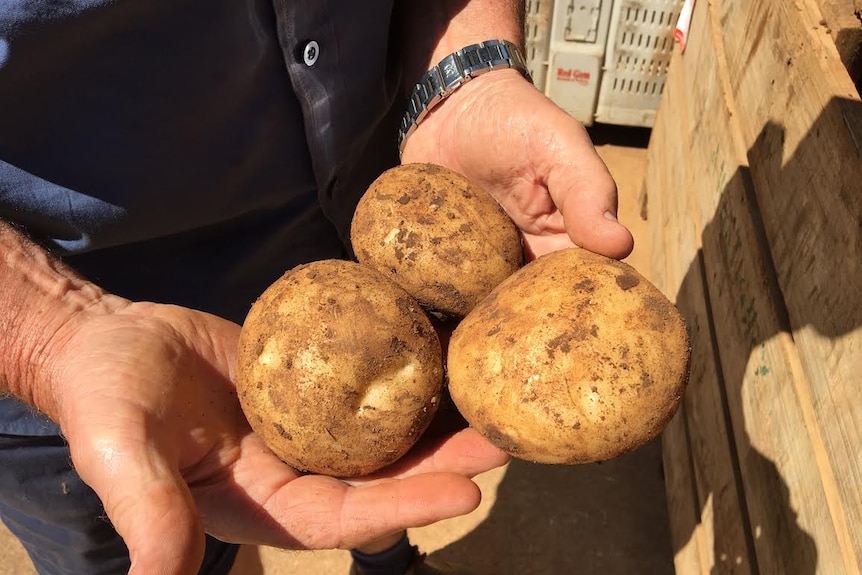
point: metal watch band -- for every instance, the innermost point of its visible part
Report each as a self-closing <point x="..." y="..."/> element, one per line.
<point x="453" y="71"/>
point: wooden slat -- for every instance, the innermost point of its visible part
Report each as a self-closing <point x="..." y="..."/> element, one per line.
<point x="710" y="435"/>
<point x="786" y="501"/>
<point x="713" y="161"/>
<point x="668" y="141"/>
<point x="843" y="20"/>
<point x="719" y="167"/>
<point x="762" y="80"/>
<point x="717" y="543"/>
<point x="686" y="530"/>
<point x="801" y="120"/>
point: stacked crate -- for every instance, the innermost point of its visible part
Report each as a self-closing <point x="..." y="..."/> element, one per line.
<point x="754" y="195"/>
<point x="602" y="60"/>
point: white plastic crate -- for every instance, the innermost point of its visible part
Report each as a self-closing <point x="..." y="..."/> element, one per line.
<point x="538" y="38"/>
<point x="576" y="48"/>
<point x="601" y="60"/>
<point x="639" y="50"/>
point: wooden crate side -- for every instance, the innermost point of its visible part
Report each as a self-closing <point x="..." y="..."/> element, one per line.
<point x="801" y="120"/>
<point x="667" y="171"/>
<point x="779" y="453"/>
<point x="843" y="20"/>
<point x="722" y="514"/>
<point x="686" y="530"/>
<point x="787" y="460"/>
<point x="786" y="502"/>
<point x="700" y="437"/>
<point x="715" y="159"/>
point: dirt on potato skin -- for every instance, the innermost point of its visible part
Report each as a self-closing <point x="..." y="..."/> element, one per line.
<point x="339" y="369"/>
<point x="445" y="241"/>
<point x="574" y="359"/>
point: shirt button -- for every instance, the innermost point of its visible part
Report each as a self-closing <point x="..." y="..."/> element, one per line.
<point x="310" y="53"/>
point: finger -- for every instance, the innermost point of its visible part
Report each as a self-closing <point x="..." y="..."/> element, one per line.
<point x="323" y="513"/>
<point x="537" y="245"/>
<point x="147" y="503"/>
<point x="586" y="195"/>
<point x="266" y="502"/>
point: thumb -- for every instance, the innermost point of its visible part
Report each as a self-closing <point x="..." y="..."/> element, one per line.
<point x="148" y="504"/>
<point x="587" y="200"/>
<point x="582" y="188"/>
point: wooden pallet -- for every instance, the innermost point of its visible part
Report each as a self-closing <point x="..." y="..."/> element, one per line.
<point x="754" y="190"/>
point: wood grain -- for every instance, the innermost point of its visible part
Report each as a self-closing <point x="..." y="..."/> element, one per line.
<point x="756" y="148"/>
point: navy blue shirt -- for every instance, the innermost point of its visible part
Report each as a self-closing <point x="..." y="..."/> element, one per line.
<point x="190" y="151"/>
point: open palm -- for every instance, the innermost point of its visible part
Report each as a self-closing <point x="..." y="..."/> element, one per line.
<point x="147" y="403"/>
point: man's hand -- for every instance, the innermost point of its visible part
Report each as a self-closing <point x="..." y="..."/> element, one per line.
<point x="145" y="397"/>
<point x="538" y="161"/>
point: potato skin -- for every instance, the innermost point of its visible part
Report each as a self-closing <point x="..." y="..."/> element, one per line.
<point x="338" y="370"/>
<point x="445" y="241"/>
<point x="576" y="358"/>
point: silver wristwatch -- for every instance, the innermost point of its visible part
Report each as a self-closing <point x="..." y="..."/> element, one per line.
<point x="453" y="71"/>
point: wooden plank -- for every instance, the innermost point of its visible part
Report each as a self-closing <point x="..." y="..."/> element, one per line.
<point x="686" y="530"/>
<point x="843" y="21"/>
<point x="788" y="464"/>
<point x="785" y="499"/>
<point x="666" y="170"/>
<point x="801" y="120"/>
<point x="723" y="521"/>
<point x="779" y="457"/>
<point x="713" y="160"/>
<point x="716" y="543"/>
<point x="667" y="177"/>
<point x="739" y="277"/>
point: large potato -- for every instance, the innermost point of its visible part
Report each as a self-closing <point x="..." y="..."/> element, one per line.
<point x="441" y="238"/>
<point x="339" y="369"/>
<point x="575" y="358"/>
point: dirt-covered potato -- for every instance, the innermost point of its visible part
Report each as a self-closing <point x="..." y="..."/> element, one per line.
<point x="339" y="370"/>
<point x="573" y="359"/>
<point x="445" y="241"/>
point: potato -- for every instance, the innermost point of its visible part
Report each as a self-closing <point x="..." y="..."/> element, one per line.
<point x="575" y="358"/>
<point x="445" y="241"/>
<point x="339" y="370"/>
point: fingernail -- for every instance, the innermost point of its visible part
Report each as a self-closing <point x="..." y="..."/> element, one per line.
<point x="609" y="215"/>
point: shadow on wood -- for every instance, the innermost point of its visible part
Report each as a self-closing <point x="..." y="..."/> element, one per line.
<point x="770" y="419"/>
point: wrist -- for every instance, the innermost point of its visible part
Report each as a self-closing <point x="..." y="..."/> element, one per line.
<point x="473" y="110"/>
<point x="434" y="30"/>
<point x="41" y="303"/>
<point x="428" y="32"/>
<point x="454" y="71"/>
